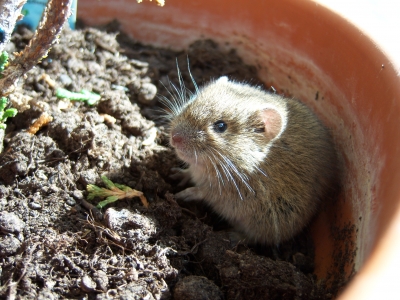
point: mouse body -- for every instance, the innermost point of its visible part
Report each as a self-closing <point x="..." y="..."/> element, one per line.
<point x="261" y="161"/>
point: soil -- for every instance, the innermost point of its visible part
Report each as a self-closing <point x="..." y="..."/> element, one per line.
<point x="54" y="244"/>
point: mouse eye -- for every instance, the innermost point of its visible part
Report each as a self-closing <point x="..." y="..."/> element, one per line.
<point x="220" y="126"/>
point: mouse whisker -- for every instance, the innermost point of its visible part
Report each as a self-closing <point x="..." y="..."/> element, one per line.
<point x="229" y="176"/>
<point x="261" y="171"/>
<point x="180" y="96"/>
<point x="218" y="173"/>
<point x="195" y="155"/>
<point x="191" y="77"/>
<point x="175" y="105"/>
<point x="168" y="90"/>
<point x="183" y="90"/>
<point x="191" y="94"/>
<point x="242" y="177"/>
<point x="164" y="114"/>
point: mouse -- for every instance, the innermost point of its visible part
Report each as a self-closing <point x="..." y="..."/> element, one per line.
<point x="263" y="162"/>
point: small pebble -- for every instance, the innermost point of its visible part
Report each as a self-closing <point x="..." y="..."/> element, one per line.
<point x="88" y="177"/>
<point x="34" y="205"/>
<point x="9" y="245"/>
<point x="4" y="191"/>
<point x="127" y="223"/>
<point x="119" y="87"/>
<point x="113" y="261"/>
<point x="3" y="203"/>
<point x="101" y="278"/>
<point x="133" y="274"/>
<point x="41" y="175"/>
<point x="65" y="79"/>
<point x="139" y="64"/>
<point x="77" y="194"/>
<point x="147" y="93"/>
<point x="19" y="168"/>
<point x="10" y="222"/>
<point x="88" y="284"/>
<point x="70" y="201"/>
<point x="53" y="189"/>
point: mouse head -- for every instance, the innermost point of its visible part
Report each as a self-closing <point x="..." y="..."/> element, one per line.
<point x="227" y="124"/>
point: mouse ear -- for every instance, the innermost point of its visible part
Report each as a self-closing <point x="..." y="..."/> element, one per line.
<point x="223" y="79"/>
<point x="272" y="122"/>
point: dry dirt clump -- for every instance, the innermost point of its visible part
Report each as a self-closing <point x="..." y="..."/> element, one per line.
<point x="53" y="246"/>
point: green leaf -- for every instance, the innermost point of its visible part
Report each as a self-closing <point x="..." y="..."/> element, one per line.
<point x="3" y="103"/>
<point x="109" y="184"/>
<point x="11" y="112"/>
<point x="108" y="200"/>
<point x="4" y="114"/>
<point x="95" y="191"/>
<point x="123" y="187"/>
<point x="113" y="192"/>
<point x="84" y="95"/>
<point x="3" y="60"/>
<point x="93" y="98"/>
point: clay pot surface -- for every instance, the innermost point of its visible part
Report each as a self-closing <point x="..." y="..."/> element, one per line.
<point x="306" y="49"/>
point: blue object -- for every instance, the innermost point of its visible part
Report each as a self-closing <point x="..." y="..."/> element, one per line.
<point x="33" y="10"/>
<point x="2" y="35"/>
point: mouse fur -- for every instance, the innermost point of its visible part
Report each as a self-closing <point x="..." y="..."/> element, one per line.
<point x="262" y="161"/>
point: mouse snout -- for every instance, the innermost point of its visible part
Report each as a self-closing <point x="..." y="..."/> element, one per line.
<point x="177" y="138"/>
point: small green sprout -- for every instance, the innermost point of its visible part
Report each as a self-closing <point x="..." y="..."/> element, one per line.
<point x="3" y="61"/>
<point x="84" y="95"/>
<point x="5" y="113"/>
<point x="113" y="192"/>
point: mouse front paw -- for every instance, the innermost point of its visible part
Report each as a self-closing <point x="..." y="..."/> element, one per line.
<point x="190" y="194"/>
<point x="183" y="175"/>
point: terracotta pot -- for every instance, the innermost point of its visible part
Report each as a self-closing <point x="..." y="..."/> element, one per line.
<point x="303" y="48"/>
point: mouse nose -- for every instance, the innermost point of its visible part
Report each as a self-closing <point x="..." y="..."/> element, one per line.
<point x="177" y="138"/>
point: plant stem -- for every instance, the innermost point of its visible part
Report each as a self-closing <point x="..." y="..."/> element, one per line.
<point x="54" y="17"/>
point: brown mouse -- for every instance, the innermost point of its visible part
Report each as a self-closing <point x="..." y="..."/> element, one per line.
<point x="262" y="161"/>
